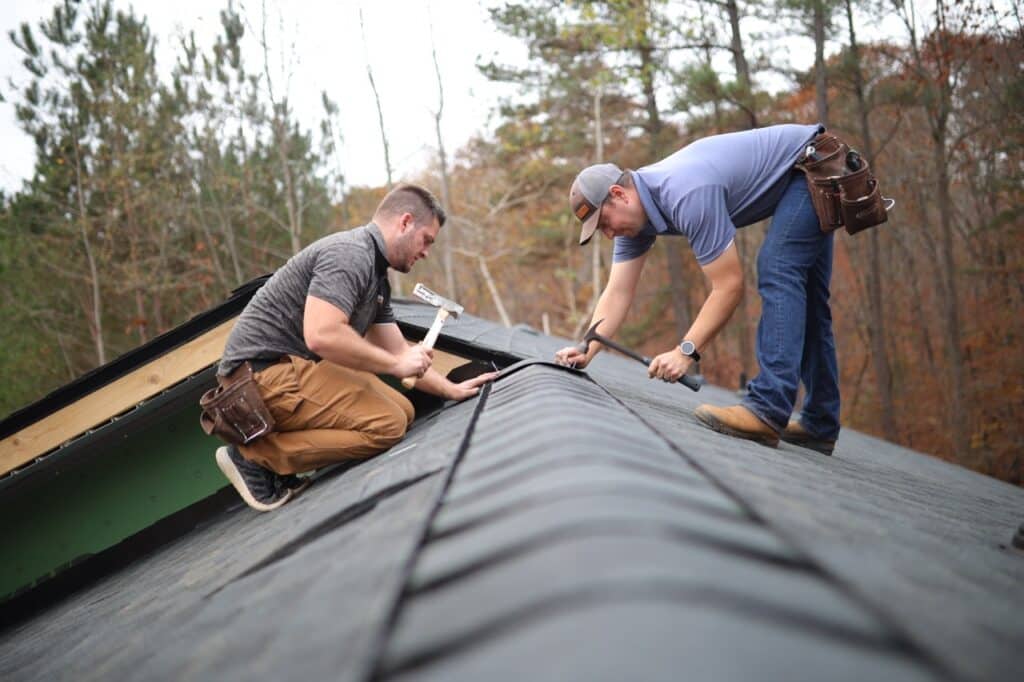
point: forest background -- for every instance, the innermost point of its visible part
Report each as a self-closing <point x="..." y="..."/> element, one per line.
<point x="154" y="195"/>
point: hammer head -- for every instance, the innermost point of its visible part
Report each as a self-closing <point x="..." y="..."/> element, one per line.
<point x="428" y="296"/>
<point x="591" y="335"/>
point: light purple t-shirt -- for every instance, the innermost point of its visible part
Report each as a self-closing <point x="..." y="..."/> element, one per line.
<point x="712" y="186"/>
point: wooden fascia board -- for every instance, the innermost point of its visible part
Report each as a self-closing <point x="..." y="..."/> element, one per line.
<point x="128" y="391"/>
<point x="108" y="401"/>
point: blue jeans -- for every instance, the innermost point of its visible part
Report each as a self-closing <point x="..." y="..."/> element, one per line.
<point x="794" y="336"/>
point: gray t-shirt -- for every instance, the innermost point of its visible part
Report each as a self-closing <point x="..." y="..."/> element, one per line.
<point x="346" y="269"/>
<point x="710" y="187"/>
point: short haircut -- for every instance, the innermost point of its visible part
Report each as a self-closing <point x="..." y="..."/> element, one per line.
<point x="413" y="199"/>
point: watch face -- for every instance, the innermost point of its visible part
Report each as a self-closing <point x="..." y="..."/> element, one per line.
<point x="687" y="347"/>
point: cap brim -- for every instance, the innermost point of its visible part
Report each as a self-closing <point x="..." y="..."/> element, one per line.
<point x="590" y="226"/>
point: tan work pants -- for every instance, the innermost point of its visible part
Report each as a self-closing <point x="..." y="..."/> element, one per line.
<point x="325" y="413"/>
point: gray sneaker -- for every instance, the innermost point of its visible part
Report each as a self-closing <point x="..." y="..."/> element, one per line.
<point x="261" y="488"/>
<point x="296" y="484"/>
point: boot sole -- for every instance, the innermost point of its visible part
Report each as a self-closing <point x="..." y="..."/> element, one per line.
<point x="232" y="473"/>
<point x="306" y="482"/>
<point x="716" y="425"/>
<point x="821" y="447"/>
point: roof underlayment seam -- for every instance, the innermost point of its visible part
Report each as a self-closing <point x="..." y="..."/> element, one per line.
<point x="326" y="526"/>
<point x="903" y="640"/>
<point x="371" y="669"/>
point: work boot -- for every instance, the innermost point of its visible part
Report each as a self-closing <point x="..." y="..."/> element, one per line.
<point x="261" y="488"/>
<point x="737" y="421"/>
<point x="796" y="434"/>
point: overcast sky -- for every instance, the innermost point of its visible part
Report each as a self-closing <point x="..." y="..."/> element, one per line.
<point x="324" y="50"/>
<point x="328" y="55"/>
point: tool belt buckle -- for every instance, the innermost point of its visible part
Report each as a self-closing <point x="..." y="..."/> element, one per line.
<point x="254" y="426"/>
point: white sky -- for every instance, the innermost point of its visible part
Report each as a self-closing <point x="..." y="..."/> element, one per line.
<point x="328" y="55"/>
<point x="324" y="43"/>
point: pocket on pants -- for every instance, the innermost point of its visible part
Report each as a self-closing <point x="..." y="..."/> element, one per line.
<point x="279" y="387"/>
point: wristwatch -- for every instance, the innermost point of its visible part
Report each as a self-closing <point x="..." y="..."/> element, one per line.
<point x="688" y="349"/>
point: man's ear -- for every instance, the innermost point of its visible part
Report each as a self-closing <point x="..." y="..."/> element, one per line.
<point x="406" y="222"/>
<point x="617" y="192"/>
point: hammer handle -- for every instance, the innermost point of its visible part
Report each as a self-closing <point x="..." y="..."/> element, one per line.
<point x="428" y="341"/>
<point x="690" y="382"/>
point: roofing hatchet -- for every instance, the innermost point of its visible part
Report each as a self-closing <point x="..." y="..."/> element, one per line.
<point x="445" y="308"/>
<point x="691" y="383"/>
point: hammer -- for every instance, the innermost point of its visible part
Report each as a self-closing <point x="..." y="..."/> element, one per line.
<point x="445" y="307"/>
<point x="691" y="383"/>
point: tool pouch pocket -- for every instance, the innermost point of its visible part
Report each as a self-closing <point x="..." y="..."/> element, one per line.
<point x="843" y="190"/>
<point x="860" y="202"/>
<point x="234" y="411"/>
<point x="825" y="198"/>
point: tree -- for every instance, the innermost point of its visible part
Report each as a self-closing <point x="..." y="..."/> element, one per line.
<point x="149" y="201"/>
<point x="94" y="109"/>
<point x="852" y="68"/>
<point x="936" y="64"/>
<point x="442" y="163"/>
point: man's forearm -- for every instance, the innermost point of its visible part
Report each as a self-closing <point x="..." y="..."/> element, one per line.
<point x="612" y="308"/>
<point x="435" y="384"/>
<point x="716" y="311"/>
<point x="343" y="346"/>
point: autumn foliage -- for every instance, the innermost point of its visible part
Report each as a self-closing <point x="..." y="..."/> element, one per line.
<point x="152" y="199"/>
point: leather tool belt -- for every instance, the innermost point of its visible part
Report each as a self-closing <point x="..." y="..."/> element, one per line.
<point x="234" y="411"/>
<point x="843" y="189"/>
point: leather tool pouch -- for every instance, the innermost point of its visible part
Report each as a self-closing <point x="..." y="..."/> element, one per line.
<point x="234" y="411"/>
<point x="843" y="189"/>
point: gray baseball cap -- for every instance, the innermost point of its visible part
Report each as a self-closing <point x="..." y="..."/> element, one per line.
<point x="588" y="192"/>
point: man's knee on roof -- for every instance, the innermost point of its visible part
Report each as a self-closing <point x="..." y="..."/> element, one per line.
<point x="388" y="427"/>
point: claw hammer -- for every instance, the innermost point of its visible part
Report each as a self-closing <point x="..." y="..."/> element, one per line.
<point x="690" y="382"/>
<point x="445" y="308"/>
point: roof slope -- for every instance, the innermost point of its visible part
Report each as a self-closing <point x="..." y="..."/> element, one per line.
<point x="572" y="526"/>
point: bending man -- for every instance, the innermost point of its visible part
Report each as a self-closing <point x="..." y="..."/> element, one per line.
<point x="704" y="192"/>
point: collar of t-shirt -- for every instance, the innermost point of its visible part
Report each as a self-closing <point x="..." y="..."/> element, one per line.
<point x="656" y="221"/>
<point x="381" y="264"/>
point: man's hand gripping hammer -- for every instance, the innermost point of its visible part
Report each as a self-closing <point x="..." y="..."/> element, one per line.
<point x="445" y="308"/>
<point x="690" y="382"/>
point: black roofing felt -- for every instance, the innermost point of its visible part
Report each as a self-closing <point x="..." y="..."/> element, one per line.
<point x="572" y="526"/>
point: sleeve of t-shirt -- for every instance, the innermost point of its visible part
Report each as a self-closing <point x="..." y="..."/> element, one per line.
<point x="703" y="217"/>
<point x="342" y="277"/>
<point x="628" y="248"/>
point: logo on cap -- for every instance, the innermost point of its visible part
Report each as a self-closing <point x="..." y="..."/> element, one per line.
<point x="582" y="211"/>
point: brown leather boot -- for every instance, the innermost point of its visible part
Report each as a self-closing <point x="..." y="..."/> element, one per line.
<point x="737" y="421"/>
<point x="796" y="434"/>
